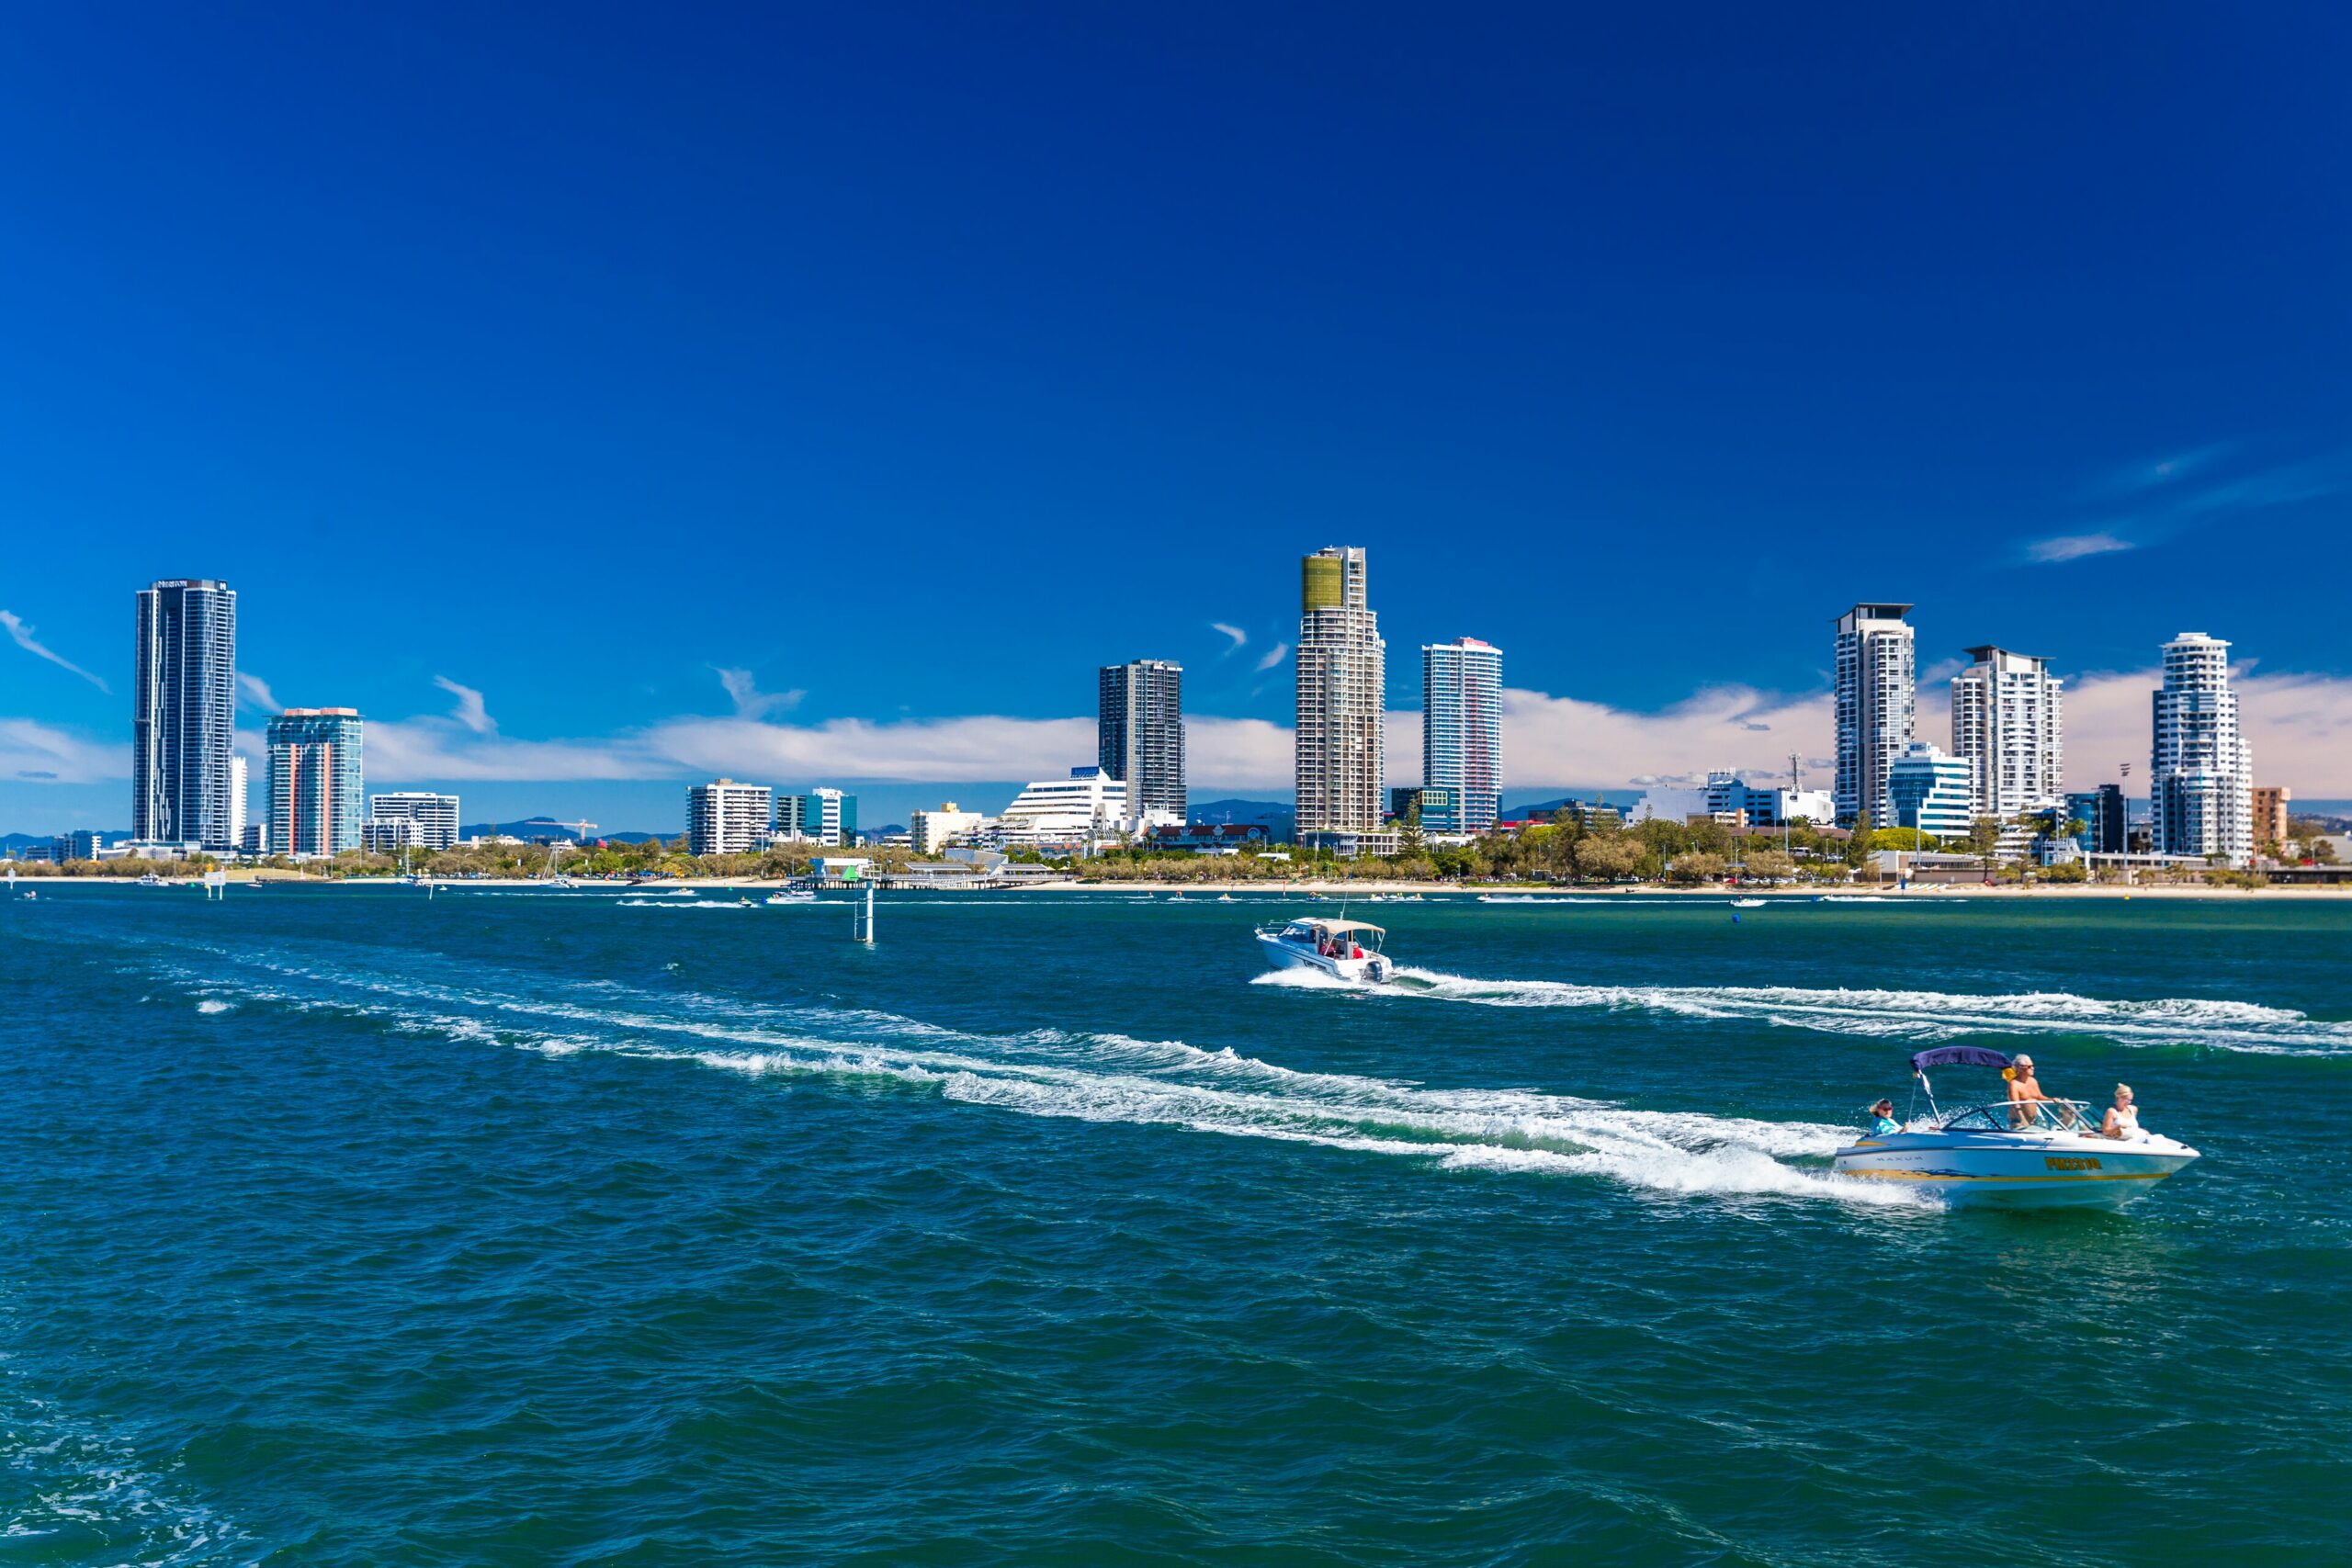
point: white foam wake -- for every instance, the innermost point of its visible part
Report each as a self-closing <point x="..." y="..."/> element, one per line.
<point x="1918" y="1015"/>
<point x="1115" y="1078"/>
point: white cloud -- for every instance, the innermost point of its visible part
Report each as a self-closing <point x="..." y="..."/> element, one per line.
<point x="34" y="752"/>
<point x="23" y="635"/>
<point x="1275" y="656"/>
<point x="1236" y="633"/>
<point x="1562" y="742"/>
<point x="469" y="710"/>
<point x="2075" y="546"/>
<point x="257" y="692"/>
<point x="748" y="700"/>
<point x="2299" y="725"/>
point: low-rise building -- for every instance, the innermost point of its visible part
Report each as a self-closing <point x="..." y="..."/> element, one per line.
<point x="1076" y="812"/>
<point x="1208" y="838"/>
<point x="1930" y="791"/>
<point x="930" y="832"/>
<point x="432" y="817"/>
<point x="2270" y="814"/>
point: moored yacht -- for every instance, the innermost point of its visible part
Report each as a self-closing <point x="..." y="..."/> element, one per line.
<point x="1346" y="950"/>
<point x="2036" y="1153"/>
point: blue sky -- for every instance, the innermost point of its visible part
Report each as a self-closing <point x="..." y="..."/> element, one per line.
<point x="912" y="362"/>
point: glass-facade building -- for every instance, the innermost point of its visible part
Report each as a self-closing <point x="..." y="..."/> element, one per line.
<point x="1462" y="735"/>
<point x="184" y="714"/>
<point x="1139" y="735"/>
<point x="315" y="775"/>
<point x="2100" y="811"/>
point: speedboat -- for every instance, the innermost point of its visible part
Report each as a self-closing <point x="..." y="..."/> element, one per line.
<point x="1345" y="949"/>
<point x="2029" y="1154"/>
<point x="775" y="900"/>
<point x="1747" y="903"/>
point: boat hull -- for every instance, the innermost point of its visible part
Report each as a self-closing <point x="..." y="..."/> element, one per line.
<point x="1372" y="970"/>
<point x="2017" y="1169"/>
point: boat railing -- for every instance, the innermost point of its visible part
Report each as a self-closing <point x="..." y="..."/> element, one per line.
<point x="2021" y="1116"/>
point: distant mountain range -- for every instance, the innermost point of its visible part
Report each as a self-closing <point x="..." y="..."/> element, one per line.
<point x="548" y="828"/>
<point x="1262" y="813"/>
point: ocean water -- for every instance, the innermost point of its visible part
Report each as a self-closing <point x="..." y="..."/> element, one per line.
<point x="347" y="1226"/>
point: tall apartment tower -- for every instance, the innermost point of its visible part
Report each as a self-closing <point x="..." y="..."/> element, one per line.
<point x="1877" y="709"/>
<point x="1139" y="735"/>
<point x="315" y="775"/>
<point x="240" y="786"/>
<point x="724" y="817"/>
<point x="184" y="714"/>
<point x="2201" y="773"/>
<point x="1342" y="673"/>
<point x="2008" y="726"/>
<point x="1462" y="735"/>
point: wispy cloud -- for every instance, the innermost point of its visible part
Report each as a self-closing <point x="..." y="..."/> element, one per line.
<point x="750" y="701"/>
<point x="469" y="710"/>
<point x="2167" y="500"/>
<point x="34" y="752"/>
<point x="1236" y="633"/>
<point x="25" y="639"/>
<point x="257" y="694"/>
<point x="1275" y="656"/>
<point x="2075" y="546"/>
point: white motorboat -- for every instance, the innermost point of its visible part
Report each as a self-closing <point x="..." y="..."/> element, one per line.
<point x="1346" y="950"/>
<point x="776" y="900"/>
<point x="2031" y="1154"/>
<point x="1747" y="903"/>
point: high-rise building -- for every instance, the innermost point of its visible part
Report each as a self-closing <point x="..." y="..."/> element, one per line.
<point x="434" y="816"/>
<point x="1139" y="736"/>
<point x="1929" y="791"/>
<point x="184" y="713"/>
<point x="2270" y="814"/>
<point x="1341" y="762"/>
<point x="315" y="776"/>
<point x="2008" y="726"/>
<point x="820" y="817"/>
<point x="240" y="786"/>
<point x="2201" y="772"/>
<point x="1462" y="734"/>
<point x="1877" y="709"/>
<point x="724" y="817"/>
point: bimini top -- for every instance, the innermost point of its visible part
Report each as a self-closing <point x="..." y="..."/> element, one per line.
<point x="1961" y="1055"/>
<point x="1341" y="928"/>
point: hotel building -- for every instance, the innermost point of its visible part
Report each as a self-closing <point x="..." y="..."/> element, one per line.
<point x="1339" y="757"/>
<point x="434" y="817"/>
<point x="2200" y="773"/>
<point x="315" y="771"/>
<point x="1462" y="735"/>
<point x="1877" y="709"/>
<point x="184" y="714"/>
<point x="1075" y="812"/>
<point x="2270" y="814"/>
<point x="724" y="817"/>
<point x="820" y="817"/>
<point x="1139" y="736"/>
<point x="2006" y="725"/>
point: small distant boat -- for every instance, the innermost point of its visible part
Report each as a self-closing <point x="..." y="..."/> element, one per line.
<point x="1747" y="903"/>
<point x="1224" y="897"/>
<point x="1346" y="950"/>
<point x="2028" y="1154"/>
<point x="151" y="880"/>
<point x="775" y="900"/>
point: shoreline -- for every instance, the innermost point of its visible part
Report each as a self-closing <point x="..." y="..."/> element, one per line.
<point x="1207" y="892"/>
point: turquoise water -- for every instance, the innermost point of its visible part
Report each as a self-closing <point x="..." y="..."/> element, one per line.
<point x="347" y="1226"/>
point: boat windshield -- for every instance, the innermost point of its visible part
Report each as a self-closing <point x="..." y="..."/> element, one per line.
<point x="2024" y="1116"/>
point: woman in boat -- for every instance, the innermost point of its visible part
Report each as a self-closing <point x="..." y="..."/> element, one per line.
<point x="1882" y="1120"/>
<point x="2123" y="1116"/>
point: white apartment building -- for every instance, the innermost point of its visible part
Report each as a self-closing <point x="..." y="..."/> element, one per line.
<point x="724" y="817"/>
<point x="1877" y="707"/>
<point x="1928" y="790"/>
<point x="1340" y="766"/>
<point x="435" y="816"/>
<point x="2008" y="725"/>
<point x="1087" y="806"/>
<point x="930" y="831"/>
<point x="2201" y="772"/>
<point x="1462" y="734"/>
<point x="239" y="781"/>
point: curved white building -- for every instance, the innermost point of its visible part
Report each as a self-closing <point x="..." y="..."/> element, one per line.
<point x="2201" y="772"/>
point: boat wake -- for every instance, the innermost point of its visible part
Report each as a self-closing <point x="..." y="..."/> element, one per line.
<point x="1108" y="1078"/>
<point x="1917" y="1015"/>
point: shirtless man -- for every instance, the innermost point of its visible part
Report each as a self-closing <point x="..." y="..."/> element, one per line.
<point x="2025" y="1092"/>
